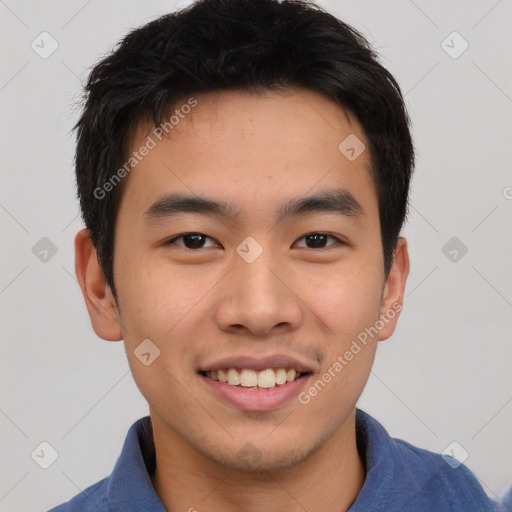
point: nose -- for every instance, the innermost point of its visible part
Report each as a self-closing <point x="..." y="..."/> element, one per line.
<point x="258" y="298"/>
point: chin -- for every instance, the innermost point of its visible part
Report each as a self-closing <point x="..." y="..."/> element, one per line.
<point x="249" y="459"/>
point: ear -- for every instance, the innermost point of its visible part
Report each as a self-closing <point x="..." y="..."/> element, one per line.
<point x="99" y="300"/>
<point x="393" y="293"/>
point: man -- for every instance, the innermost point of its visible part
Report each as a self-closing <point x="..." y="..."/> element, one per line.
<point x="243" y="169"/>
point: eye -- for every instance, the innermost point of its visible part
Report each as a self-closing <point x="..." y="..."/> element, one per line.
<point x="319" y="240"/>
<point x="191" y="241"/>
<point x="199" y="241"/>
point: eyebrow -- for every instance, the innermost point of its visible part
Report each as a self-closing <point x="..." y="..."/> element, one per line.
<point x="337" y="200"/>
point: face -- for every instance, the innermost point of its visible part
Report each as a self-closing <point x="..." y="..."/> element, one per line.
<point x="253" y="279"/>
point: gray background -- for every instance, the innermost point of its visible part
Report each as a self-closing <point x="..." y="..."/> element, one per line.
<point x="445" y="374"/>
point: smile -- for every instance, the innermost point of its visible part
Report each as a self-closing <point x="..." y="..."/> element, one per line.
<point x="243" y="389"/>
<point x="252" y="379"/>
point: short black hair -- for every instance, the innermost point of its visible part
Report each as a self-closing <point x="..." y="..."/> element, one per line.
<point x="216" y="45"/>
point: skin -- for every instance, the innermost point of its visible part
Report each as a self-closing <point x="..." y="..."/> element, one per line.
<point x="254" y="151"/>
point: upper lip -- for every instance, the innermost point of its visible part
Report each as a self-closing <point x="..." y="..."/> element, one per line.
<point x="259" y="363"/>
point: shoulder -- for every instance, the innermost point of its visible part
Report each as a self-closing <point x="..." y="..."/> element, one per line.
<point x="443" y="481"/>
<point x="129" y="483"/>
<point x="91" y="499"/>
<point x="405" y="477"/>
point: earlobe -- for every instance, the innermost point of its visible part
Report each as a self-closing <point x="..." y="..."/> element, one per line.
<point x="98" y="296"/>
<point x="393" y="293"/>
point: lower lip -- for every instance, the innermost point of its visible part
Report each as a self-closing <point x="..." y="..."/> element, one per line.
<point x="256" y="399"/>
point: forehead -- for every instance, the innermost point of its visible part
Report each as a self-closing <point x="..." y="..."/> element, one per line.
<point x="250" y="148"/>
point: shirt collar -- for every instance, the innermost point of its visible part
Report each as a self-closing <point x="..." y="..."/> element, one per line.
<point x="130" y="488"/>
<point x="375" y="449"/>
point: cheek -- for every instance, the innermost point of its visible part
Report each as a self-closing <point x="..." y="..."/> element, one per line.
<point x="154" y="307"/>
<point x="346" y="301"/>
<point x="348" y="309"/>
<point x="348" y="305"/>
<point x="164" y="307"/>
<point x="152" y="300"/>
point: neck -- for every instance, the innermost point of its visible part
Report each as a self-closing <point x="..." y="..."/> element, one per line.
<point x="329" y="479"/>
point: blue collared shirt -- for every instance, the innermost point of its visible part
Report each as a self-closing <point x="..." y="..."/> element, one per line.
<point x="399" y="478"/>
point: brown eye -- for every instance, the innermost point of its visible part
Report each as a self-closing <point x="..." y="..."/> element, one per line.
<point x="191" y="241"/>
<point x="318" y="240"/>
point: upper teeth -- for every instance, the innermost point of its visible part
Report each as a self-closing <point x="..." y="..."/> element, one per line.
<point x="250" y="378"/>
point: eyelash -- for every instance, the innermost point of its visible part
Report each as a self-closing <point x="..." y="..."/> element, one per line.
<point x="173" y="240"/>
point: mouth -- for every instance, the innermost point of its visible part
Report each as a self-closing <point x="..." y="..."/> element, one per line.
<point x="252" y="379"/>
<point x="252" y="390"/>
